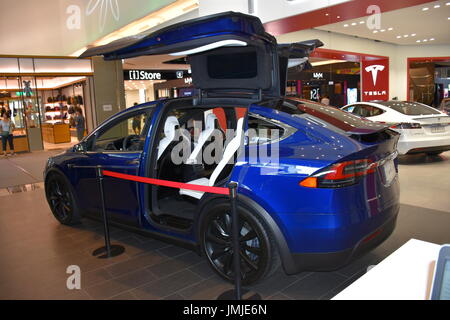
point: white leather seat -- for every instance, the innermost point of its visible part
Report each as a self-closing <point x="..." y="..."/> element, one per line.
<point x="170" y="127"/>
<point x="230" y="150"/>
<point x="210" y="121"/>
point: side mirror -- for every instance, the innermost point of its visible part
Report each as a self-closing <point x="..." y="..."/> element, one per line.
<point x="80" y="147"/>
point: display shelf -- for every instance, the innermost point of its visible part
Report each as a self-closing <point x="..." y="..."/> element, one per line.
<point x="56" y="132"/>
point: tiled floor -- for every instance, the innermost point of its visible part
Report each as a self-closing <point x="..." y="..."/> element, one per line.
<point x="35" y="252"/>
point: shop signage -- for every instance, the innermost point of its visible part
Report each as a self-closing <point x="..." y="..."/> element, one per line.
<point x="153" y="74"/>
<point x="318" y="75"/>
<point x="375" y="80"/>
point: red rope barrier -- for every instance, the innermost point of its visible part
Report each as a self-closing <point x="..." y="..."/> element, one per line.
<point x="166" y="183"/>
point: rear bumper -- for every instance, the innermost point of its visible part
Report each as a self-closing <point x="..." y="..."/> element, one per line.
<point x="429" y="149"/>
<point x="330" y="261"/>
<point x="424" y="145"/>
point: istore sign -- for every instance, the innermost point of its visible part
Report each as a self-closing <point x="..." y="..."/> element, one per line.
<point x="375" y="80"/>
<point x="154" y="74"/>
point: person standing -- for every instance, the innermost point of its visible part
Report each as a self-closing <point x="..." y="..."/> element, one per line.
<point x="79" y="123"/>
<point x="7" y="129"/>
<point x="325" y="100"/>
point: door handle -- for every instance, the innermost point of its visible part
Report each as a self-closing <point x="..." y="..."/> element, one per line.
<point x="135" y="161"/>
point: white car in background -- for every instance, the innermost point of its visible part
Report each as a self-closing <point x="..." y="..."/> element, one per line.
<point x="422" y="128"/>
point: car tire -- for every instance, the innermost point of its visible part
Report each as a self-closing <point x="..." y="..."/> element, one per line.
<point x="61" y="199"/>
<point x="259" y="255"/>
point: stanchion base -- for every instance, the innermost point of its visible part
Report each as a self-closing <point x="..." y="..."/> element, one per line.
<point x="246" y="295"/>
<point x="115" y="250"/>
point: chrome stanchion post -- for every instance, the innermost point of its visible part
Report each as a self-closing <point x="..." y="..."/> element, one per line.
<point x="235" y="235"/>
<point x="237" y="293"/>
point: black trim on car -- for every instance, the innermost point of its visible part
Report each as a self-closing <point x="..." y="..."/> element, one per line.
<point x="429" y="149"/>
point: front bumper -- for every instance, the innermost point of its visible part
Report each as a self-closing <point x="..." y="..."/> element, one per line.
<point x="330" y="261"/>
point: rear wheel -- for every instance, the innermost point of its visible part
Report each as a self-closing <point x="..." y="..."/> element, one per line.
<point x="259" y="257"/>
<point x="61" y="200"/>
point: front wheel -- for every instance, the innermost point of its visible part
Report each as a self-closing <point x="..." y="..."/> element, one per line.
<point x="61" y="200"/>
<point x="259" y="257"/>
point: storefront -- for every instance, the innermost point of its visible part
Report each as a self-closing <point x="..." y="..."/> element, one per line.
<point x="149" y="85"/>
<point x="429" y="80"/>
<point x="42" y="95"/>
<point x="342" y="77"/>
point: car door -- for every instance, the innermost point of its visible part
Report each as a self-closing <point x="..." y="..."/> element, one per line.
<point x="116" y="146"/>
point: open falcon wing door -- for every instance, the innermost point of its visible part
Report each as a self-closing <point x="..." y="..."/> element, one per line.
<point x="229" y="53"/>
<point x="295" y="55"/>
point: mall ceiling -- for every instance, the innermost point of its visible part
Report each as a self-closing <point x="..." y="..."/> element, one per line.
<point x="419" y="25"/>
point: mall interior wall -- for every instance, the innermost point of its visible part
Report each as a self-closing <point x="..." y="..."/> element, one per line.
<point x="108" y="87"/>
<point x="398" y="54"/>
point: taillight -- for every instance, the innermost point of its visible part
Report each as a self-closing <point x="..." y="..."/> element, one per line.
<point x="407" y="126"/>
<point x="340" y="174"/>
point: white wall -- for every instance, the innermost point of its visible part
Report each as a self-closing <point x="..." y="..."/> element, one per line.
<point x="266" y="10"/>
<point x="397" y="54"/>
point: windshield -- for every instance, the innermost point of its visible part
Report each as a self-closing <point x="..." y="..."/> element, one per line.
<point x="409" y="108"/>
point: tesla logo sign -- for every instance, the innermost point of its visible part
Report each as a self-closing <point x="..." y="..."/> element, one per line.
<point x="375" y="80"/>
<point x="374" y="70"/>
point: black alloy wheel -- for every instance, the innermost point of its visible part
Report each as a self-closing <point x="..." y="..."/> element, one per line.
<point x="60" y="199"/>
<point x="257" y="251"/>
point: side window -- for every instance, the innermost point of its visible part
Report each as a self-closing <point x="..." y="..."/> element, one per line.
<point x="263" y="130"/>
<point x="349" y="109"/>
<point x="370" y="111"/>
<point x="126" y="134"/>
<point x="376" y="111"/>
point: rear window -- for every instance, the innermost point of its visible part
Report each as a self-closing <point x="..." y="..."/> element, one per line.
<point x="242" y="65"/>
<point x="409" y="108"/>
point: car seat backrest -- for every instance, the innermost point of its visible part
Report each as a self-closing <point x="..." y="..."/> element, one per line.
<point x="170" y="127"/>
<point x="230" y="150"/>
<point x="210" y="125"/>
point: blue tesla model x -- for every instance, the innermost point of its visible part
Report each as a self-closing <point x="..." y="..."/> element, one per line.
<point x="325" y="192"/>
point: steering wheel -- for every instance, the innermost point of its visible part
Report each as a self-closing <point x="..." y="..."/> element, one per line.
<point x="130" y="140"/>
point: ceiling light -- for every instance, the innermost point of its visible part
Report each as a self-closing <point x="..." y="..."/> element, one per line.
<point x="425" y="40"/>
<point x="390" y="29"/>
<point x="345" y="25"/>
<point x="362" y="22"/>
<point x="425" y="9"/>
<point x="398" y="37"/>
<point x="418" y="41"/>
<point x="405" y="36"/>
<point x="447" y="4"/>
<point x="432" y="39"/>
<point x="354" y="24"/>
<point x="327" y="14"/>
<point x="382" y="30"/>
<point x="437" y="6"/>
<point x="375" y="31"/>
<point x="338" y="17"/>
<point x="413" y="34"/>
